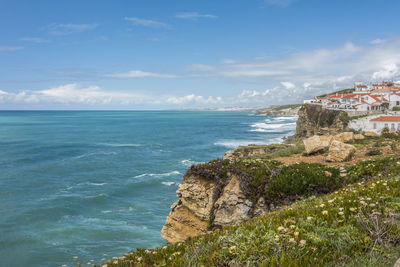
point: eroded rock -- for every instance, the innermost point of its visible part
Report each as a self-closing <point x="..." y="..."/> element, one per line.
<point x="232" y="206"/>
<point x="344" y="137"/>
<point x="339" y="151"/>
<point x="316" y="143"/>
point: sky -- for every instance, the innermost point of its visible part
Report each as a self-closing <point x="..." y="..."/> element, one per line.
<point x="174" y="54"/>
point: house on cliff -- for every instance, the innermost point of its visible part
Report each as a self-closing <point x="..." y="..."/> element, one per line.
<point x="390" y="122"/>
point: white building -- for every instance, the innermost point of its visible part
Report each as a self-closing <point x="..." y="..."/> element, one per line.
<point x="390" y="122"/>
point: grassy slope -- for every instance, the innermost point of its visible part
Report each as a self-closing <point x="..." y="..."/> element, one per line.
<point x="357" y="225"/>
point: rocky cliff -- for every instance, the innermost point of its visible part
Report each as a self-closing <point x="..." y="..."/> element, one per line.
<point x="210" y="196"/>
<point x="315" y="120"/>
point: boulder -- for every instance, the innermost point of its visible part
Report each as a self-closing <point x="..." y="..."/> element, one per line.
<point x="316" y="143"/>
<point x="344" y="137"/>
<point x="339" y="151"/>
<point x="371" y="134"/>
<point x="232" y="206"/>
<point x="359" y="137"/>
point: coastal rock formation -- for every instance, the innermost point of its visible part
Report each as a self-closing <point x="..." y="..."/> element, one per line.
<point x="315" y="120"/>
<point x="232" y="206"/>
<point x="200" y="207"/>
<point x="316" y="143"/>
<point x="182" y="223"/>
<point x="339" y="151"/>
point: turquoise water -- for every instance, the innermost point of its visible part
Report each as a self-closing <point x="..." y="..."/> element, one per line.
<point x="81" y="183"/>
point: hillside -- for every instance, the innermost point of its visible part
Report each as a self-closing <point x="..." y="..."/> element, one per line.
<point x="347" y="213"/>
<point x="280" y="110"/>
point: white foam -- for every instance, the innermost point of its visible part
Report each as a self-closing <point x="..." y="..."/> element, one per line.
<point x="166" y="174"/>
<point x="94" y="154"/>
<point x="168" y="183"/>
<point x="120" y="145"/>
<point x="189" y="162"/>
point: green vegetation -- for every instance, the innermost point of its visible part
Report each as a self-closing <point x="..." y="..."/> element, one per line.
<point x="396" y="108"/>
<point x="359" y="224"/>
<point x="325" y="218"/>
<point x="325" y="117"/>
<point x="373" y="152"/>
<point x="269" y="151"/>
<point x="344" y="91"/>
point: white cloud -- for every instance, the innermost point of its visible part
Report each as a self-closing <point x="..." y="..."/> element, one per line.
<point x="200" y="67"/>
<point x="147" y="23"/>
<point x="281" y="3"/>
<point x="66" y="29"/>
<point x="10" y="48"/>
<point x="192" y="98"/>
<point x="288" y="85"/>
<point x="387" y="72"/>
<point x="377" y="41"/>
<point x="139" y="74"/>
<point x="302" y="75"/>
<point x="73" y="94"/>
<point x="34" y="40"/>
<point x="194" y="15"/>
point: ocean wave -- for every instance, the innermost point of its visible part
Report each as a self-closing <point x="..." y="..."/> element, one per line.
<point x="95" y="154"/>
<point x="120" y="145"/>
<point x="286" y="118"/>
<point x="189" y="162"/>
<point x="272" y="127"/>
<point x="166" y="174"/>
<point x="169" y="183"/>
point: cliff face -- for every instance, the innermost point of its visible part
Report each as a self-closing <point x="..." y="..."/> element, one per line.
<point x="315" y="120"/>
<point x="205" y="204"/>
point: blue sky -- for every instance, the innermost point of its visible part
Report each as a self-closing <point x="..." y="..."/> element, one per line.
<point x="101" y="54"/>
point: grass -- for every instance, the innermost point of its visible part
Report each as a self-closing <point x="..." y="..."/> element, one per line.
<point x="356" y="225"/>
<point x="350" y="226"/>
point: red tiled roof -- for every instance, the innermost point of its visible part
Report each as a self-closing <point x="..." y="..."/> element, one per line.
<point x="387" y="118"/>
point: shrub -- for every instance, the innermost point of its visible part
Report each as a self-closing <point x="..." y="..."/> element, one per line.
<point x="396" y="108"/>
<point x="303" y="179"/>
<point x="373" y="152"/>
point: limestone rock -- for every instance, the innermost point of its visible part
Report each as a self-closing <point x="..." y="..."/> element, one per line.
<point x="371" y="134"/>
<point x="339" y="151"/>
<point x="181" y="224"/>
<point x="359" y="137"/>
<point x="316" y="143"/>
<point x="261" y="208"/>
<point x="232" y="206"/>
<point x="316" y="120"/>
<point x="344" y="137"/>
<point x="196" y="195"/>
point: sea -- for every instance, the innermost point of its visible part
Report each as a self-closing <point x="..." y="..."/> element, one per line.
<point x="88" y="183"/>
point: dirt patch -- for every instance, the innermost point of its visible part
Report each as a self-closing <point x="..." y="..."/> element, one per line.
<point x="321" y="158"/>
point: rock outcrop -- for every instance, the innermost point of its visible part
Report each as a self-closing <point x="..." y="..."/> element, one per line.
<point x="344" y="137"/>
<point x="232" y="206"/>
<point x="371" y="134"/>
<point x="359" y="137"/>
<point x="339" y="151"/>
<point x="316" y="143"/>
<point x="199" y="207"/>
<point x="315" y="120"/>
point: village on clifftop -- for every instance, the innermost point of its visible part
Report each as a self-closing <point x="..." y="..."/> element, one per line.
<point x="369" y="100"/>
